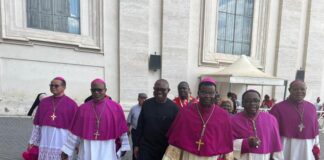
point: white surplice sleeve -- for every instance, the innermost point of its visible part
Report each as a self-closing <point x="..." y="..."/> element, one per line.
<point x="237" y="145"/>
<point x="71" y="143"/>
<point x="124" y="144"/>
<point x="277" y="155"/>
<point x="36" y="135"/>
<point x="317" y="142"/>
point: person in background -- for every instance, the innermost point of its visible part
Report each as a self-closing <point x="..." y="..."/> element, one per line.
<point x="266" y="103"/>
<point x="184" y="97"/>
<point x="227" y="104"/>
<point x="218" y="99"/>
<point x="318" y="104"/>
<point x="39" y="97"/>
<point x="133" y="117"/>
<point x="236" y="103"/>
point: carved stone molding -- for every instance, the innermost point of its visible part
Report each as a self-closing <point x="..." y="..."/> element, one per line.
<point x="14" y="27"/>
<point x="208" y="32"/>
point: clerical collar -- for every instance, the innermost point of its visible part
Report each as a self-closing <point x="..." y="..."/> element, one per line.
<point x="100" y="101"/>
<point x="60" y="96"/>
<point x="294" y="102"/>
<point x="254" y="117"/>
<point x="205" y="109"/>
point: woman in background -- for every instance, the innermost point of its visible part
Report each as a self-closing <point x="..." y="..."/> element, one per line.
<point x="227" y="104"/>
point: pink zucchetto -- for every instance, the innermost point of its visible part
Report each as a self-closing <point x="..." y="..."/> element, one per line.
<point x="98" y="80"/>
<point x="208" y="79"/>
<point x="59" y="78"/>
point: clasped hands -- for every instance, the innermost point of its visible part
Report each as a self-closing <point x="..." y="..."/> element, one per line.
<point x="254" y="142"/>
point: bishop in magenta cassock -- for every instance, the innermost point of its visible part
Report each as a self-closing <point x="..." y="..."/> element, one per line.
<point x="256" y="134"/>
<point x="96" y="126"/>
<point x="51" y="122"/>
<point x="202" y="131"/>
<point x="298" y="124"/>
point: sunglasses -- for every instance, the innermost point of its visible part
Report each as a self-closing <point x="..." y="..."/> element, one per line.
<point x="54" y="85"/>
<point x="96" y="90"/>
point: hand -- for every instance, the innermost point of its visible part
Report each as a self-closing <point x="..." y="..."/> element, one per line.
<point x="122" y="153"/>
<point x="316" y="152"/>
<point x="136" y="152"/>
<point x="30" y="146"/>
<point x="254" y="142"/>
<point x="64" y="156"/>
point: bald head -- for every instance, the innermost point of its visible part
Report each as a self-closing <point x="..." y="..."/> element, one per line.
<point x="162" y="81"/>
<point x="297" y="91"/>
<point x="183" y="90"/>
<point x="183" y="83"/>
<point x="161" y="90"/>
<point x="297" y="82"/>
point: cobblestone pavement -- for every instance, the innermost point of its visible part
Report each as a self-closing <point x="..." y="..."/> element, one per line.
<point x="15" y="132"/>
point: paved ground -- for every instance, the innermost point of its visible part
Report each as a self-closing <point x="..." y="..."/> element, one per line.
<point x="15" y="132"/>
<point x="14" y="135"/>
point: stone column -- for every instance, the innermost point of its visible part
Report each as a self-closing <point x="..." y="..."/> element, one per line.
<point x="134" y="44"/>
<point x="111" y="46"/>
<point x="155" y="38"/>
<point x="288" y="47"/>
<point x="314" y="60"/>
<point x="175" y="42"/>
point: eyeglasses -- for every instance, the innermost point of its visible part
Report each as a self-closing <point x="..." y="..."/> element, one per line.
<point x="96" y="89"/>
<point x="160" y="89"/>
<point x="54" y="85"/>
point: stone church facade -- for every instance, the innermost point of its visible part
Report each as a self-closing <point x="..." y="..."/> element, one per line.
<point x="113" y="39"/>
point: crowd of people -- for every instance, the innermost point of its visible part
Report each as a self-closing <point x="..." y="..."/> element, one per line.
<point x="206" y="127"/>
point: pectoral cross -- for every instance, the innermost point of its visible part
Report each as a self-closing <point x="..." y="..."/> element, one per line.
<point x="301" y="127"/>
<point x="53" y="116"/>
<point x="199" y="143"/>
<point x="96" y="134"/>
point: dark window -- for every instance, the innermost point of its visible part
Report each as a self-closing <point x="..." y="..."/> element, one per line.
<point x="234" y="27"/>
<point x="54" y="15"/>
